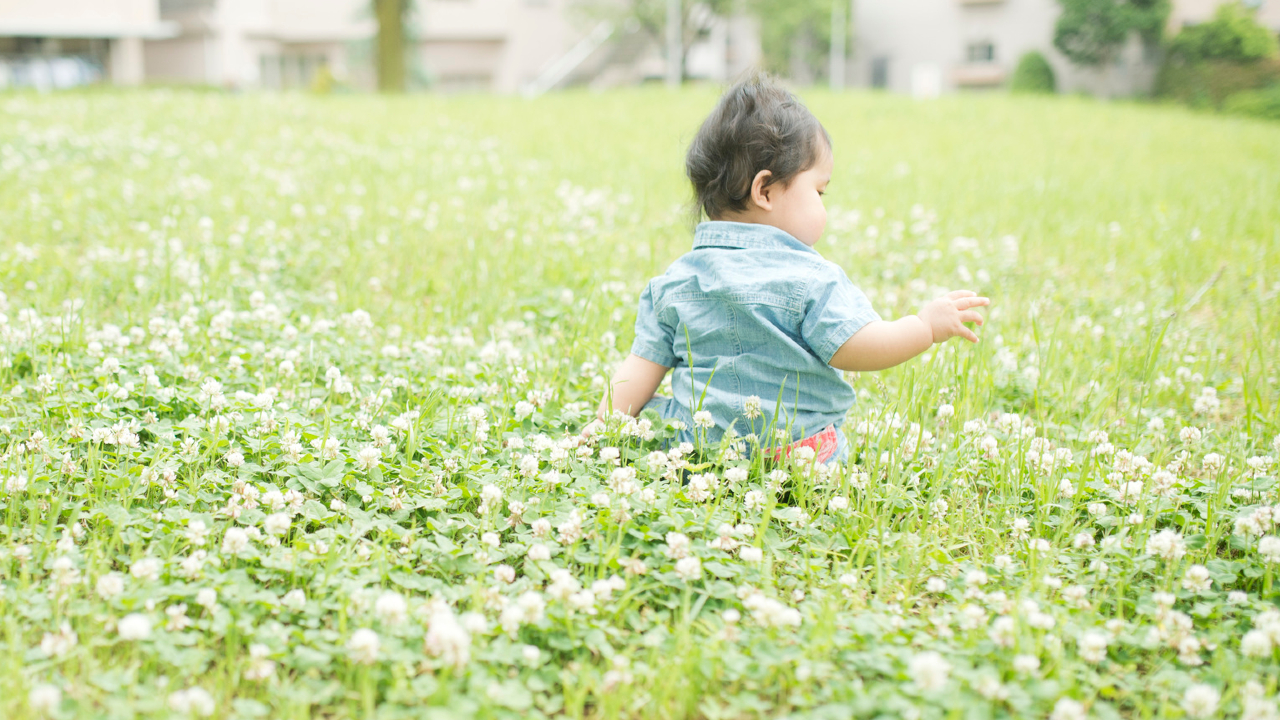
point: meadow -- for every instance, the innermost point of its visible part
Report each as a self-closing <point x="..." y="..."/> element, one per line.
<point x="292" y="391"/>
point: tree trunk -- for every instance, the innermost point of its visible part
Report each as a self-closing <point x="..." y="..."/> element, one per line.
<point x="389" y="51"/>
<point x="675" y="43"/>
<point x="839" y="31"/>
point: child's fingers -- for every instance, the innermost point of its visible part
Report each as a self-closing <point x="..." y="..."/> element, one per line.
<point x="968" y="334"/>
<point x="971" y="316"/>
<point x="957" y="294"/>
<point x="972" y="302"/>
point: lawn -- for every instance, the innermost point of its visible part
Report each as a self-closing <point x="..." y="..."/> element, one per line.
<point x="291" y="390"/>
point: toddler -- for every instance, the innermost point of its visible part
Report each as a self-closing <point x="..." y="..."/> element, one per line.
<point x="756" y="324"/>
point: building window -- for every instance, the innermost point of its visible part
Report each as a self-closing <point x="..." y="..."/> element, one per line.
<point x="981" y="52"/>
<point x="880" y="72"/>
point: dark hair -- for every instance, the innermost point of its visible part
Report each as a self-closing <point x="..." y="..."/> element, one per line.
<point x="757" y="125"/>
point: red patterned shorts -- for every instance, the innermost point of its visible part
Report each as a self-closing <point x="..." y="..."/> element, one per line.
<point x="824" y="444"/>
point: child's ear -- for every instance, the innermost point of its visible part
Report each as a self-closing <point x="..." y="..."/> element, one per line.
<point x="760" y="190"/>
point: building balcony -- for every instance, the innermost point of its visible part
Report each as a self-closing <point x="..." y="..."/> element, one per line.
<point x="978" y="75"/>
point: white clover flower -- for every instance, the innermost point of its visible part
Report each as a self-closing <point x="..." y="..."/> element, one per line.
<point x="945" y="412"/>
<point x="929" y="671"/>
<point x="363" y="646"/>
<point x="1207" y="402"/>
<point x="1256" y="643"/>
<point x="504" y="574"/>
<point x="975" y="578"/>
<point x="147" y="569"/>
<point x="234" y="541"/>
<point x="935" y="585"/>
<point x="1129" y="491"/>
<point x="1025" y="664"/>
<point x="1082" y="541"/>
<point x="192" y="701"/>
<point x="1197" y="579"/>
<point x="751" y="407"/>
<point x="1002" y="631"/>
<point x="447" y="638"/>
<point x="677" y="545"/>
<point x="277" y="524"/>
<point x="689" y="568"/>
<point x="45" y="698"/>
<point x="109" y="586"/>
<point x="59" y="643"/>
<point x="1068" y="709"/>
<point x="768" y="612"/>
<point x="1092" y="646"/>
<point x="207" y="598"/>
<point x="134" y="626"/>
<point x="1167" y="544"/>
<point x="538" y="552"/>
<point x="1213" y="462"/>
<point x="1269" y="548"/>
<point x="260" y="666"/>
<point x="750" y="553"/>
<point x="368" y="458"/>
<point x="840" y="503"/>
<point x="391" y="608"/>
<point x="295" y="599"/>
<point x="1200" y="701"/>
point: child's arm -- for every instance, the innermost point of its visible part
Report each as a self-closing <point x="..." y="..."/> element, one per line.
<point x="880" y="344"/>
<point x="633" y="385"/>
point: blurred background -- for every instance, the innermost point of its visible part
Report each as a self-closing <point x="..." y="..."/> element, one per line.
<point x="1200" y="52"/>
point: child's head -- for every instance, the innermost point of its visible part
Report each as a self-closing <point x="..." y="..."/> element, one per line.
<point x="762" y="157"/>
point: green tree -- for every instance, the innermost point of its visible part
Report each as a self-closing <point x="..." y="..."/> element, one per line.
<point x="1092" y="32"/>
<point x="651" y="16"/>
<point x="1233" y="35"/>
<point x="795" y="36"/>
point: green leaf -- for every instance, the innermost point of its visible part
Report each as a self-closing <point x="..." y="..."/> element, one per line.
<point x="720" y="570"/>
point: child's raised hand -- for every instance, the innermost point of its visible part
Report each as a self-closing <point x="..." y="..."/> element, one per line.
<point x="946" y="315"/>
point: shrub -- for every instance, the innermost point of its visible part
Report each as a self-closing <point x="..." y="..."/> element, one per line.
<point x="1033" y="75"/>
<point x="1209" y="83"/>
<point x="1256" y="103"/>
<point x="1233" y="35"/>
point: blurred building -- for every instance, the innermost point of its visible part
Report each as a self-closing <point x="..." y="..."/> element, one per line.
<point x="493" y="45"/>
<point x="926" y="47"/>
<point x="273" y="44"/>
<point x="62" y="43"/>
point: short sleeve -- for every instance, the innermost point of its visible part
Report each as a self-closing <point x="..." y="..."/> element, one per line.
<point x="835" y="309"/>
<point x="653" y="339"/>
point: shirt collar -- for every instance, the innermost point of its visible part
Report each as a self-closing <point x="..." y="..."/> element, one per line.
<point x="723" y="233"/>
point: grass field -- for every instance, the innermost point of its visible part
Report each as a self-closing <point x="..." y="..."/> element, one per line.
<point x="292" y="389"/>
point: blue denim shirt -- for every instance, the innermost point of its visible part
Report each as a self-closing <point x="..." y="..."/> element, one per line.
<point x="751" y="311"/>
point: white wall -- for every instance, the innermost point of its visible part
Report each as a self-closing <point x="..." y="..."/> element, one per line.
<point x="108" y="15"/>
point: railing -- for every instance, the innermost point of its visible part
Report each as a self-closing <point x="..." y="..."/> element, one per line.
<point x="48" y="72"/>
<point x="561" y="67"/>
